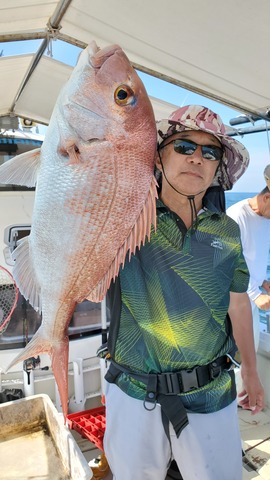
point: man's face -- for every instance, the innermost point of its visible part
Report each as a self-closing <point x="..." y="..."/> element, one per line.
<point x="189" y="174"/>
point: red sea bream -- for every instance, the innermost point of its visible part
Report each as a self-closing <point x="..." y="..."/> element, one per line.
<point x="95" y="196"/>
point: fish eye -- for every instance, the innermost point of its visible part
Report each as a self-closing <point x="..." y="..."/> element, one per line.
<point x="123" y="95"/>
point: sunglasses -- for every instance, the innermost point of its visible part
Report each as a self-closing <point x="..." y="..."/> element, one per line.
<point x="187" y="147"/>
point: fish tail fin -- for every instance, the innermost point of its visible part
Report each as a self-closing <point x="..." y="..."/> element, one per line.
<point x="59" y="358"/>
<point x="60" y="370"/>
<point x="36" y="346"/>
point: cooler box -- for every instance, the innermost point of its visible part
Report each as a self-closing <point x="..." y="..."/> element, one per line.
<point x="35" y="443"/>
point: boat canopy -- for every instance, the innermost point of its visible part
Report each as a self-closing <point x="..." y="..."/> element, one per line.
<point x="212" y="47"/>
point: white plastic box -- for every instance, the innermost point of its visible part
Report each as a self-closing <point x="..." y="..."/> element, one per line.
<point x="35" y="443"/>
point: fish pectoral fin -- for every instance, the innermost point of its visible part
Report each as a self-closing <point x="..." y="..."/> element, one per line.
<point x="22" y="169"/>
<point x="24" y="275"/>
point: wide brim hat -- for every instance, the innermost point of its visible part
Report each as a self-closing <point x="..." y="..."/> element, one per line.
<point x="235" y="159"/>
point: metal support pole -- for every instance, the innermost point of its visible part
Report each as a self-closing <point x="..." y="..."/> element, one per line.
<point x="79" y="393"/>
<point x="28" y="383"/>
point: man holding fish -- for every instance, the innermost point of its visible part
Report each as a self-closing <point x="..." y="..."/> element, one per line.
<point x="170" y="385"/>
<point x="171" y="391"/>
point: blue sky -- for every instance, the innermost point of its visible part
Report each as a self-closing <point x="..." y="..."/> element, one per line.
<point x="257" y="144"/>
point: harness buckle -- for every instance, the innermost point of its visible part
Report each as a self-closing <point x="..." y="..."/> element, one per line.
<point x="172" y="382"/>
<point x="215" y="370"/>
<point x="189" y="380"/>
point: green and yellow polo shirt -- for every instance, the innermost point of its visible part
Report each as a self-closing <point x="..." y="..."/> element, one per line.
<point x="169" y="304"/>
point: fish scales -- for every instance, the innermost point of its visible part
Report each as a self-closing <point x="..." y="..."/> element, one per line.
<point x="95" y="196"/>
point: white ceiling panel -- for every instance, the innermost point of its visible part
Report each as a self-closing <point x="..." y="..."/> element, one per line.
<point x="216" y="48"/>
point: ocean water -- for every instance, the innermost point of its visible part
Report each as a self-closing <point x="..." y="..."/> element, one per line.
<point x="234" y="197"/>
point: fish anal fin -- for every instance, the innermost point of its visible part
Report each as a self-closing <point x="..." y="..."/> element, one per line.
<point x="22" y="169"/>
<point x="24" y="275"/>
<point x="136" y="238"/>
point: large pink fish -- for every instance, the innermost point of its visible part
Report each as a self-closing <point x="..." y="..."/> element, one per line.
<point x="95" y="196"/>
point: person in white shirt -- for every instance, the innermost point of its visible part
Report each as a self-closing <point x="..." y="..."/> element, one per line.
<point x="252" y="216"/>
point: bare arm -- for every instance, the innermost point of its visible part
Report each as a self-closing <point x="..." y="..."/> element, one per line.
<point x="241" y="318"/>
<point x="263" y="301"/>
<point x="266" y="286"/>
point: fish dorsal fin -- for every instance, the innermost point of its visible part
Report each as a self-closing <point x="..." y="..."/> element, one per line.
<point x="22" y="169"/>
<point x="24" y="275"/>
<point x="136" y="238"/>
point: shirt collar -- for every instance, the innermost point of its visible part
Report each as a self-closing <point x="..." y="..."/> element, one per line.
<point x="208" y="207"/>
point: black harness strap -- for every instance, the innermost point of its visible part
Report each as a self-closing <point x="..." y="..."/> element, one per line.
<point x="172" y="408"/>
<point x="164" y="388"/>
<point x="174" y="412"/>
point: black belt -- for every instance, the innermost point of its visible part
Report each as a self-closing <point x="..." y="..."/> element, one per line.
<point x="186" y="380"/>
<point x="166" y="387"/>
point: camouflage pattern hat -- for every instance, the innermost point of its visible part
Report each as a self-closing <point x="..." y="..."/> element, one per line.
<point x="195" y="117"/>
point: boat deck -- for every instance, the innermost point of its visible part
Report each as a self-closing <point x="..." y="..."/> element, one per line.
<point x="255" y="433"/>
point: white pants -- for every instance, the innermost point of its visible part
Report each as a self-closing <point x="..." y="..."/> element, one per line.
<point x="137" y="448"/>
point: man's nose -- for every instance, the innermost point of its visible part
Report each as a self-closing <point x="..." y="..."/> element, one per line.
<point x="196" y="157"/>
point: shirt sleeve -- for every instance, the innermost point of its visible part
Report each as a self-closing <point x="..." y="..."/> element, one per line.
<point x="241" y="274"/>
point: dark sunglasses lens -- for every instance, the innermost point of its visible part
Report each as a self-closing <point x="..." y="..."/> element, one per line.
<point x="212" y="153"/>
<point x="184" y="147"/>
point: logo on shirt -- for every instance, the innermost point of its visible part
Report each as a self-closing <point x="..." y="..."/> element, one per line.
<point x="217" y="244"/>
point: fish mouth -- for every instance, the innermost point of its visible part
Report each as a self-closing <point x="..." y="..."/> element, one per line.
<point x="98" y="56"/>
